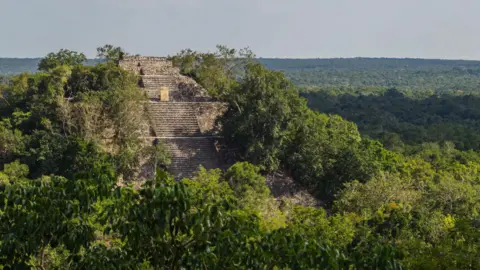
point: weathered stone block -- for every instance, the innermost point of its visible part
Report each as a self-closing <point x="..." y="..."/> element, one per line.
<point x="164" y="94"/>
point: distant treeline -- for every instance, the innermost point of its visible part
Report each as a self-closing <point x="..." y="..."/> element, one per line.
<point x="439" y="80"/>
<point x="19" y="65"/>
<point x="417" y="75"/>
<point x="365" y="63"/>
<point x="403" y="74"/>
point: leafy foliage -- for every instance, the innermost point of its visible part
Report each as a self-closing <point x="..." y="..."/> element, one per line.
<point x="272" y="127"/>
<point x="111" y="53"/>
<point x="388" y="197"/>
<point x="395" y="118"/>
<point x="68" y="136"/>
<point x="62" y="57"/>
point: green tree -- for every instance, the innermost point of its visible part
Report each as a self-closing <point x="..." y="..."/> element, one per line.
<point x="62" y="57"/>
<point x="55" y="210"/>
<point x="243" y="177"/>
<point x="217" y="72"/>
<point x="260" y="110"/>
<point x="163" y="226"/>
<point x="111" y="53"/>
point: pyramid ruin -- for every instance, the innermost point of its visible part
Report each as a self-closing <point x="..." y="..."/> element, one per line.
<point x="181" y="114"/>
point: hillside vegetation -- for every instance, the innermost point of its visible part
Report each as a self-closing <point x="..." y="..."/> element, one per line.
<point x="70" y="149"/>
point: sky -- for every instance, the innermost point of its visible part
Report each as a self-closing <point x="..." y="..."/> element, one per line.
<point x="445" y="29"/>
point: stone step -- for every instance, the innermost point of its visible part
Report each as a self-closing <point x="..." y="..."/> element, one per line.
<point x="186" y="122"/>
<point x="156" y="87"/>
<point x="173" y="125"/>
<point x="179" y="115"/>
<point x="186" y="111"/>
<point x="173" y="107"/>
<point x="177" y="133"/>
<point x="158" y="81"/>
<point x="154" y="93"/>
<point x="192" y="127"/>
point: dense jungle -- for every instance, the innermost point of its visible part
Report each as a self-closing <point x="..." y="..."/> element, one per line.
<point x="390" y="147"/>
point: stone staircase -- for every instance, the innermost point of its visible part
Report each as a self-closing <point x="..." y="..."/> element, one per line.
<point x="173" y="119"/>
<point x="153" y="83"/>
<point x="177" y="116"/>
<point x="189" y="153"/>
<point x="159" y="81"/>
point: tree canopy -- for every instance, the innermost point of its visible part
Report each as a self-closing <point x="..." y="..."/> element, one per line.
<point x="70" y="153"/>
<point x="62" y="57"/>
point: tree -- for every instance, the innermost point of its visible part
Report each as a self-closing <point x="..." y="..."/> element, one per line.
<point x="217" y="72"/>
<point x="55" y="210"/>
<point x="260" y="109"/>
<point x="111" y="53"/>
<point x="243" y="177"/>
<point x="62" y="205"/>
<point x="62" y="57"/>
<point x="164" y="225"/>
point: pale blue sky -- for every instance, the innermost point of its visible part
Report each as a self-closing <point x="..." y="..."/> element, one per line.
<point x="272" y="28"/>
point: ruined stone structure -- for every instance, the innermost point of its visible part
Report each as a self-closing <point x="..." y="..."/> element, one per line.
<point x="181" y="114"/>
<point x="158" y="73"/>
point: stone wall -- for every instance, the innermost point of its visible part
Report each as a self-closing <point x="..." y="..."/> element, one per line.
<point x="144" y="65"/>
<point x="145" y="58"/>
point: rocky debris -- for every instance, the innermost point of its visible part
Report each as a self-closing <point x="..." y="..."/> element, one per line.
<point x="282" y="186"/>
<point x="207" y="114"/>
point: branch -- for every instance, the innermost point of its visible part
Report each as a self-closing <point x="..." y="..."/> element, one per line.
<point x="4" y="99"/>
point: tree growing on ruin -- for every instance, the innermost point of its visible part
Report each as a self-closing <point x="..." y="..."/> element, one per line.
<point x="111" y="53"/>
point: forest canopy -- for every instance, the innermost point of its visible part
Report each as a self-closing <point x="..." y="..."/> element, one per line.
<point x="70" y="149"/>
